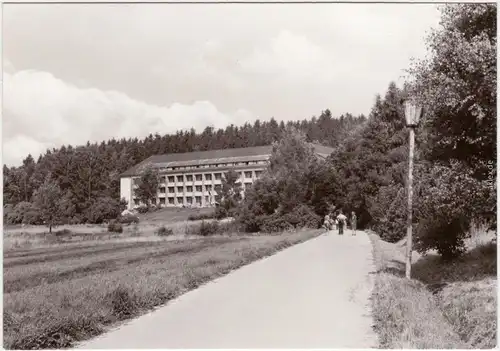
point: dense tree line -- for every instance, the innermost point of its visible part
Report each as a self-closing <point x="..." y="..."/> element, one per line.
<point x="87" y="177"/>
<point x="455" y="160"/>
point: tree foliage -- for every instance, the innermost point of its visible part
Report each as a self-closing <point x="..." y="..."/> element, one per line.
<point x="291" y="160"/>
<point x="106" y="208"/>
<point x="147" y="187"/>
<point x="457" y="84"/>
<point x="23" y="213"/>
<point x="449" y="198"/>
<point x="261" y="201"/>
<point x="280" y="199"/>
<point x="47" y="200"/>
<point x="230" y="194"/>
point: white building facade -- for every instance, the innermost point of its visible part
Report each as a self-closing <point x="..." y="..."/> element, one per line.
<point x="193" y="179"/>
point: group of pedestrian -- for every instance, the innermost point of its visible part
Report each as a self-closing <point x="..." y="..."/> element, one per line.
<point x="339" y="221"/>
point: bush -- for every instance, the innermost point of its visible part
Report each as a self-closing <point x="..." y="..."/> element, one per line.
<point x="129" y="218"/>
<point x="229" y="227"/>
<point x="446" y="199"/>
<point x="143" y="209"/>
<point x="274" y="224"/>
<point x="388" y="212"/>
<point x="446" y="236"/>
<point x="23" y="212"/>
<point x="75" y="220"/>
<point x="164" y="231"/>
<point x="221" y="213"/>
<point x="103" y="208"/>
<point x="207" y="228"/>
<point x="301" y="216"/>
<point x="449" y="199"/>
<point x="201" y="216"/>
<point x="115" y="227"/>
<point x="251" y="224"/>
<point x="14" y="214"/>
<point x="259" y="205"/>
<point x="62" y="232"/>
<point x="7" y="210"/>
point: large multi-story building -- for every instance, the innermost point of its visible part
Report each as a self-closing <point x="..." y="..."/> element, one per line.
<point x="193" y="178"/>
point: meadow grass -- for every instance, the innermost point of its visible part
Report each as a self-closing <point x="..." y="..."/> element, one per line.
<point x="32" y="237"/>
<point x="56" y="298"/>
<point x="444" y="305"/>
<point x="174" y="214"/>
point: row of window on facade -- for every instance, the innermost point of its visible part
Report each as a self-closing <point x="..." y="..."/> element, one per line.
<point x="198" y="177"/>
<point x="179" y="200"/>
<point x="189" y="188"/>
<point x="227" y="164"/>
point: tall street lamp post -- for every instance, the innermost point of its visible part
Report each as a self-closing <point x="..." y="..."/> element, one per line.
<point x="413" y="112"/>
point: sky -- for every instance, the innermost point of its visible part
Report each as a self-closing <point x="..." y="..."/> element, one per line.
<point x="73" y="73"/>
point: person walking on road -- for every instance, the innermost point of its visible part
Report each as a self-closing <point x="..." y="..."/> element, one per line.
<point x="353" y="222"/>
<point x="335" y="220"/>
<point x="327" y="224"/>
<point x="341" y="219"/>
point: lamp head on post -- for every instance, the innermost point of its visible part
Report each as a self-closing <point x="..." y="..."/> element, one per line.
<point x="413" y="113"/>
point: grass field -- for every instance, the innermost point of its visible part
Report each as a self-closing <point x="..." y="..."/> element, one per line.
<point x="445" y="305"/>
<point x="31" y="236"/>
<point x="56" y="296"/>
<point x="173" y="214"/>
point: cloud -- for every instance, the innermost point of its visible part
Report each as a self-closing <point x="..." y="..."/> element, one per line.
<point x="291" y="56"/>
<point x="42" y="111"/>
<point x="131" y="70"/>
<point x="16" y="149"/>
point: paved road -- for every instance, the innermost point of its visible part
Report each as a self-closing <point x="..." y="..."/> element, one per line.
<point x="312" y="295"/>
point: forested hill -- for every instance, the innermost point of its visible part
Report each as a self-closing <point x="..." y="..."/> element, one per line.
<point x="88" y="176"/>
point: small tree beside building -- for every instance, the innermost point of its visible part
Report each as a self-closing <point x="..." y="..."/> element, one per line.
<point x="147" y="189"/>
<point x="229" y="195"/>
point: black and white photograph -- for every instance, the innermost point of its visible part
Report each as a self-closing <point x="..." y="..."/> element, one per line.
<point x="249" y="175"/>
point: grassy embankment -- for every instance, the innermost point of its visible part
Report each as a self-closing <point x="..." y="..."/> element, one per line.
<point x="445" y="305"/>
<point x="56" y="296"/>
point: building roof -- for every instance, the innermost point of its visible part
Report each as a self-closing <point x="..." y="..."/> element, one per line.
<point x="255" y="153"/>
